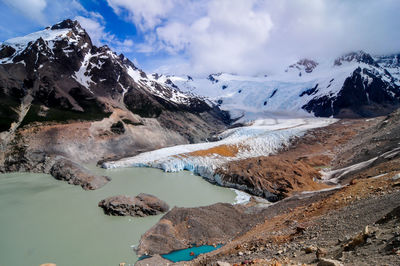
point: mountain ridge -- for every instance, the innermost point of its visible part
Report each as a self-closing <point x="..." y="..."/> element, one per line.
<point x="63" y="96"/>
<point x="353" y="85"/>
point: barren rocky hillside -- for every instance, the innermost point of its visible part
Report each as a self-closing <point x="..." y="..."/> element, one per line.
<point x="340" y="221"/>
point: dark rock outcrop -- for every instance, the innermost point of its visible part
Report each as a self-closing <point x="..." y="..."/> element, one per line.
<point x="21" y="159"/>
<point x="305" y="64"/>
<point x="380" y="141"/>
<point x="118" y="128"/>
<point x="359" y="57"/>
<point x="366" y="93"/>
<point x="141" y="205"/>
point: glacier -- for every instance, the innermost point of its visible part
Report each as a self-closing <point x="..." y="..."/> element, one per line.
<point x="262" y="137"/>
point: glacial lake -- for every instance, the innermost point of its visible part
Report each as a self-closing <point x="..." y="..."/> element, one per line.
<point x="44" y="220"/>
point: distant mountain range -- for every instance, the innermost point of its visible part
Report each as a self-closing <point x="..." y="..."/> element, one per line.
<point x="62" y="71"/>
<point x="353" y="85"/>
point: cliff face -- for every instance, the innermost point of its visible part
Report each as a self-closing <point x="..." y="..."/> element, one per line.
<point x="62" y="95"/>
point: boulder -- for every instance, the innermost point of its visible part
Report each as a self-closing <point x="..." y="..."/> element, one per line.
<point x="141" y="205"/>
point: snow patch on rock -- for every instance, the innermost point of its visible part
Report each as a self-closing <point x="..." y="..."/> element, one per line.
<point x="82" y="75"/>
<point x="21" y="43"/>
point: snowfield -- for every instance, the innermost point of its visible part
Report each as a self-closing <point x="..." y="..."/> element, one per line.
<point x="261" y="138"/>
<point x="282" y="94"/>
<point x="287" y="91"/>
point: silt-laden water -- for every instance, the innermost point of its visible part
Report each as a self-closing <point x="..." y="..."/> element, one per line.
<point x="46" y="220"/>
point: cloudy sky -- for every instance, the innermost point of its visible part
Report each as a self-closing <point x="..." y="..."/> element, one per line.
<point x="237" y="36"/>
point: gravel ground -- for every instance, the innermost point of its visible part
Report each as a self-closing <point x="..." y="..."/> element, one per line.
<point x="330" y="234"/>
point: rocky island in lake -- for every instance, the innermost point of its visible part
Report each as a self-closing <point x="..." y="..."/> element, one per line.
<point x="141" y="205"/>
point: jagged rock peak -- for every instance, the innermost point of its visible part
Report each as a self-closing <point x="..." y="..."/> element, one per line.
<point x="307" y="64"/>
<point x="62" y="37"/>
<point x="67" y="24"/>
<point x="391" y="61"/>
<point x="359" y="57"/>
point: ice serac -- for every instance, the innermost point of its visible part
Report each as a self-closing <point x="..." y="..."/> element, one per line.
<point x="353" y="85"/>
<point x="89" y="103"/>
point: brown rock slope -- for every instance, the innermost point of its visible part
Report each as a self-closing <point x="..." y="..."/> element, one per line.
<point x="383" y="137"/>
<point x="287" y="173"/>
<point x="315" y="227"/>
<point x="354" y="225"/>
<point x="183" y="227"/>
<point x="333" y="223"/>
<point x="296" y="168"/>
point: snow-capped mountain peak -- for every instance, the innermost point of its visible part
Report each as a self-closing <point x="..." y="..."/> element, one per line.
<point x="356" y="57"/>
<point x="352" y="85"/>
<point x="69" y="32"/>
<point x="303" y="66"/>
<point x="64" y="59"/>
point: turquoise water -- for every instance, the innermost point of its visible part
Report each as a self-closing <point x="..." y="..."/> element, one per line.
<point x="45" y="220"/>
<point x="184" y="254"/>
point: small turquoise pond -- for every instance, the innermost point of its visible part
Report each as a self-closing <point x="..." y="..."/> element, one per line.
<point x="184" y="254"/>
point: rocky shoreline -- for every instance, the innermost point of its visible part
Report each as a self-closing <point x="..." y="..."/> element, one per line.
<point x="181" y="228"/>
<point x="343" y="226"/>
<point x="73" y="173"/>
<point x="58" y="166"/>
<point x="355" y="225"/>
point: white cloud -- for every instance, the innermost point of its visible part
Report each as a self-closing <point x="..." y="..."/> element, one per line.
<point x="31" y="8"/>
<point x="240" y="36"/>
<point x="174" y="36"/>
<point x="94" y="27"/>
<point x="94" y="24"/>
<point x="42" y="12"/>
<point x="146" y="14"/>
<point x="230" y="37"/>
<point x="255" y="36"/>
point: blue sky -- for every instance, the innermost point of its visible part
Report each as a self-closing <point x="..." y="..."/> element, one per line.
<point x="208" y="36"/>
<point x="17" y="22"/>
